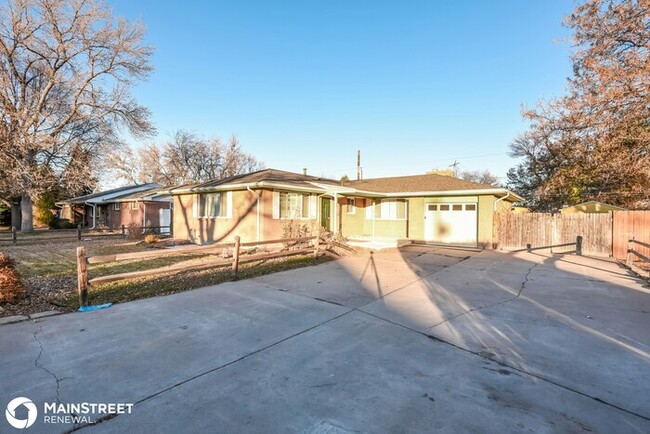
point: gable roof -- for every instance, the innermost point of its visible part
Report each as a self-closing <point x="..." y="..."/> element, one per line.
<point x="417" y="185"/>
<point x="266" y="177"/>
<point x="584" y="206"/>
<point x="110" y="195"/>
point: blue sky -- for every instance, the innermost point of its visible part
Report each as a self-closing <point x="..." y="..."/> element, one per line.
<point x="414" y="84"/>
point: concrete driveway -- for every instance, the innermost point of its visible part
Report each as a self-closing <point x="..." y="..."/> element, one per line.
<point x="412" y="340"/>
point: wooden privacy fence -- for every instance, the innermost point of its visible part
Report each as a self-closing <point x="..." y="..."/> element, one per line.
<point x="631" y="225"/>
<point x="233" y="261"/>
<point x="555" y="233"/>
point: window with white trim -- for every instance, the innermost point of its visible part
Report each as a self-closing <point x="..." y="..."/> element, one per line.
<point x="117" y="206"/>
<point x="135" y="205"/>
<point x="350" y="206"/>
<point x="391" y="209"/>
<point x="294" y="205"/>
<point x="212" y="205"/>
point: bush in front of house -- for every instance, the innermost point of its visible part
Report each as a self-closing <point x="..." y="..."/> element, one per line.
<point x="11" y="288"/>
<point x="134" y="232"/>
<point x="150" y="239"/>
<point x="62" y="224"/>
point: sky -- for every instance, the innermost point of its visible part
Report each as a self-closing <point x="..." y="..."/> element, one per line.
<point x="415" y="85"/>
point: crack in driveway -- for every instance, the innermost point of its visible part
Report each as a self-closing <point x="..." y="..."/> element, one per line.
<point x="38" y="365"/>
<point x="478" y="308"/>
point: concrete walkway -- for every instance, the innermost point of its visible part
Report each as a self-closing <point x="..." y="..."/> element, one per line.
<point x="411" y="340"/>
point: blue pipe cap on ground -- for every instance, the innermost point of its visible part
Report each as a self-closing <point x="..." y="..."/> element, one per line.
<point x="95" y="307"/>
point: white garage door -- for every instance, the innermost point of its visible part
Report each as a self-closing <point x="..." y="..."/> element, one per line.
<point x="451" y="223"/>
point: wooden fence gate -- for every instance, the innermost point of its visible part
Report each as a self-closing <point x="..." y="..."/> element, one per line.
<point x="555" y="233"/>
<point x="630" y="225"/>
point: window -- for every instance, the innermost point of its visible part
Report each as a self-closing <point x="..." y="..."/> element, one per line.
<point x="212" y="205"/>
<point x="458" y="207"/>
<point x="135" y="205"/>
<point x="116" y="206"/>
<point x="470" y="207"/>
<point x="444" y="207"/>
<point x="350" y="207"/>
<point x="391" y="209"/>
<point x="433" y="207"/>
<point x="294" y="205"/>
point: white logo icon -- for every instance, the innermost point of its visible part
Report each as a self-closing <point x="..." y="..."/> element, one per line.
<point x="10" y="414"/>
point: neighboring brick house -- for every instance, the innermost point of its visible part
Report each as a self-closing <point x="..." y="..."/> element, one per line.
<point x="144" y="205"/>
<point x="260" y="206"/>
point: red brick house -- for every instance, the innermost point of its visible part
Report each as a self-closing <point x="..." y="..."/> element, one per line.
<point x="144" y="205"/>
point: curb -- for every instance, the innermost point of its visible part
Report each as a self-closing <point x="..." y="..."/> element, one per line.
<point x="21" y="318"/>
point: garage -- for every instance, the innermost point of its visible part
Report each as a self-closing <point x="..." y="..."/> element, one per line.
<point x="451" y="223"/>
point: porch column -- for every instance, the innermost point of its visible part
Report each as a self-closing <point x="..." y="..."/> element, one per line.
<point x="336" y="214"/>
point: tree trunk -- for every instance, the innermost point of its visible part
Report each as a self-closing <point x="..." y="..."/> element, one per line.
<point x="27" y="224"/>
<point x="15" y="213"/>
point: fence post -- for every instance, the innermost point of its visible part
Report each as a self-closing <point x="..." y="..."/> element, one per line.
<point x="317" y="244"/>
<point x="13" y="234"/>
<point x="123" y="230"/>
<point x="82" y="276"/>
<point x="79" y="232"/>
<point x="235" y="255"/>
<point x="529" y="248"/>
<point x="629" y="250"/>
<point x="579" y="245"/>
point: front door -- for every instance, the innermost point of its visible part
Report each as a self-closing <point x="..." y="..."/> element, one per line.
<point x="326" y="213"/>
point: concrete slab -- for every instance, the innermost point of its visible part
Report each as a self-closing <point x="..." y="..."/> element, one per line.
<point x="133" y="350"/>
<point x="373" y="377"/>
<point x="12" y="319"/>
<point x="358" y="280"/>
<point x="267" y="355"/>
<point x="581" y="322"/>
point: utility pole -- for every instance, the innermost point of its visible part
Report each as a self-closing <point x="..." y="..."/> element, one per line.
<point x="359" y="169"/>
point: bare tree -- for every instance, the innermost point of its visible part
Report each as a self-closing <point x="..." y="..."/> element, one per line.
<point x="594" y="143"/>
<point x="480" y="176"/>
<point x="66" y="70"/>
<point x="186" y="158"/>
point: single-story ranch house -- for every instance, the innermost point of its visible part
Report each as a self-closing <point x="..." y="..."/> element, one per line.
<point x="260" y="205"/>
<point x="145" y="205"/>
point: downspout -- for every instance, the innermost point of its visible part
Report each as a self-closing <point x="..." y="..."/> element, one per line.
<point x="94" y="206"/>
<point x="144" y="217"/>
<point x="257" y="210"/>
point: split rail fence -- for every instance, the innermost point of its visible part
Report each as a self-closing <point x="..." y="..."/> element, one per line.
<point x="290" y="247"/>
<point x="15" y="237"/>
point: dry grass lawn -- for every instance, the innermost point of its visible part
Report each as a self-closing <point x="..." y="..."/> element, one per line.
<point x="48" y="270"/>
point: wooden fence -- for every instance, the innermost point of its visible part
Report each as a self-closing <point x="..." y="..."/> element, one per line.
<point x="15" y="237"/>
<point x="555" y="233"/>
<point x="232" y="261"/>
<point x="631" y="225"/>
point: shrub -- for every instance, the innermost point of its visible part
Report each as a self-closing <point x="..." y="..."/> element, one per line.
<point x="150" y="239"/>
<point x="11" y="288"/>
<point x="133" y="231"/>
<point x="62" y="224"/>
<point x="43" y="215"/>
<point x="5" y="215"/>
